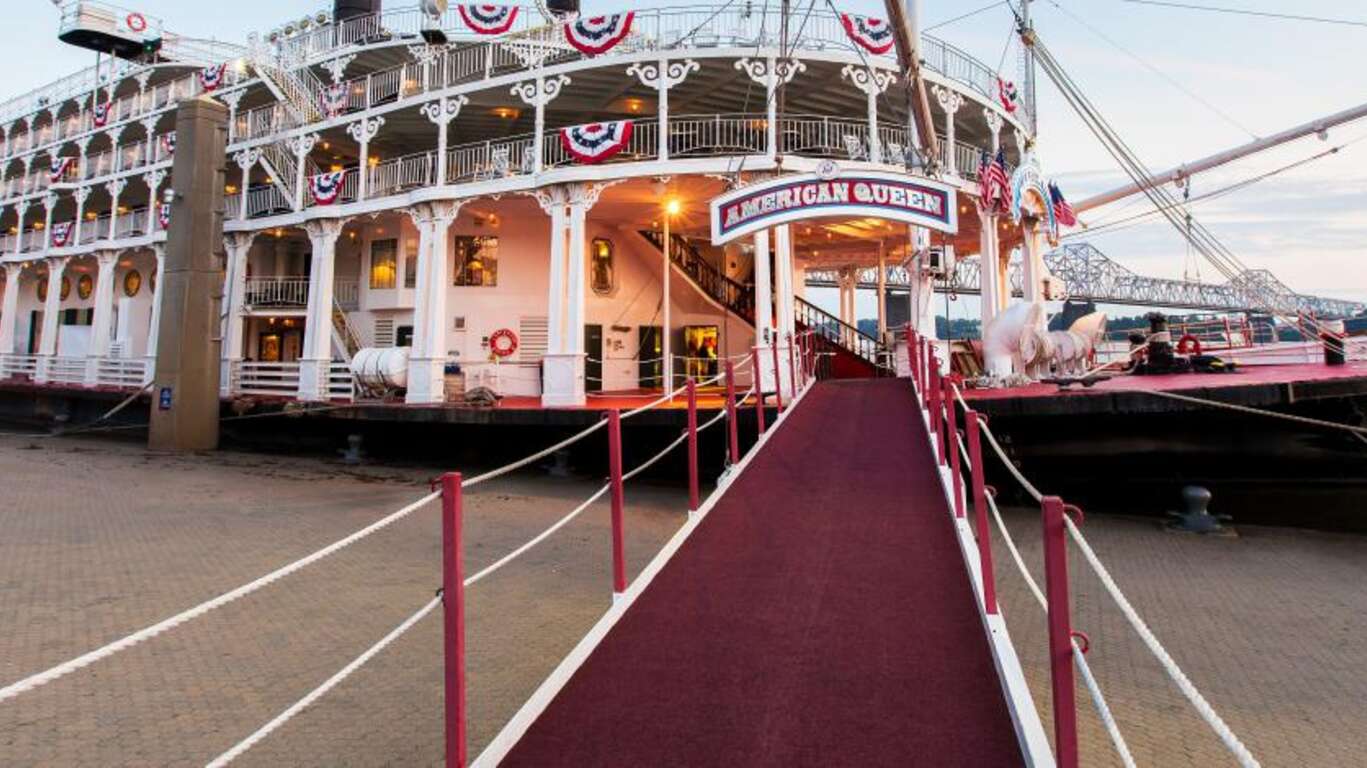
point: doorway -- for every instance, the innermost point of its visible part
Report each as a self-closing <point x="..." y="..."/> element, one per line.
<point x="593" y="363"/>
<point x="651" y="367"/>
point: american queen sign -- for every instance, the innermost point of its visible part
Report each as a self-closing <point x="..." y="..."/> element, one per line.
<point x="890" y="196"/>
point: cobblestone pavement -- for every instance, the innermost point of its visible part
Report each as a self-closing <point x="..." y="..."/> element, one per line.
<point x="1271" y="626"/>
<point x="101" y="538"/>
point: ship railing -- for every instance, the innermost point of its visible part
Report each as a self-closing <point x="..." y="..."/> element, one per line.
<point x="18" y="366"/>
<point x="403" y="174"/>
<point x="347" y="294"/>
<point x="341" y="383"/>
<point x="270" y="379"/>
<point x="94" y="229"/>
<point x="276" y="292"/>
<point x="66" y="370"/>
<point x="131" y="223"/>
<point x="123" y="373"/>
<point x="267" y="200"/>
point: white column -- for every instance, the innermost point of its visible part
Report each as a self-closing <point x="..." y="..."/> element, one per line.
<point x="9" y="310"/>
<point x="922" y="284"/>
<point x="80" y="195"/>
<point x="871" y="82"/>
<point x="764" y="310"/>
<point x="104" y="315"/>
<point x="537" y="94"/>
<point x="154" y="327"/>
<point x="153" y="181"/>
<point x="49" y="206"/>
<point x="771" y="73"/>
<point x="237" y="247"/>
<point x="315" y="362"/>
<point x="441" y="113"/>
<point x="576" y="263"/>
<point x="246" y="160"/>
<point x="786" y="320"/>
<point x="52" y="308"/>
<point x="882" y="292"/>
<point x="427" y="362"/>
<point x="950" y="100"/>
<point x="662" y="75"/>
<point x="555" y="300"/>
<point x="115" y="188"/>
<point x="1032" y="261"/>
<point x="563" y="364"/>
<point x="362" y="132"/>
<point x="301" y="146"/>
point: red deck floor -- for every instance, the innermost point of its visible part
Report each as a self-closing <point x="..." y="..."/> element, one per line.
<point x="1246" y="376"/>
<point x="820" y="615"/>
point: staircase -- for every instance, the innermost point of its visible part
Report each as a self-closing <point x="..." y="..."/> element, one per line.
<point x="344" y="336"/>
<point x="853" y="353"/>
<point x="738" y="299"/>
<point x="299" y="91"/>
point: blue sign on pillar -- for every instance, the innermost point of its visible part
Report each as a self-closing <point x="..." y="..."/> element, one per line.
<point x="164" y="400"/>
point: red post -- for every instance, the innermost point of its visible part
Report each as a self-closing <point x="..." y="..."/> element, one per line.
<point x="619" y="558"/>
<point x="759" y="389"/>
<point x="778" y="380"/>
<point x="732" y="428"/>
<point x="972" y="420"/>
<point x="911" y="355"/>
<point x="792" y="365"/>
<point x="693" y="495"/>
<point x="952" y="422"/>
<point x="453" y="602"/>
<point x="1060" y="632"/>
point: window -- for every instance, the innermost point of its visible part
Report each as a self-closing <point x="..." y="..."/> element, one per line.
<point x="476" y="261"/>
<point x="604" y="275"/>
<point x="410" y="262"/>
<point x="384" y="266"/>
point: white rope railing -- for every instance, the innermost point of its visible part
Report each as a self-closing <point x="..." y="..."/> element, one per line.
<point x="1170" y="667"/>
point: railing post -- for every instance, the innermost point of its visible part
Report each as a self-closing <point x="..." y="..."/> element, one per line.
<point x="1060" y="632"/>
<point x="911" y="356"/>
<point x="972" y="422"/>
<point x="453" y="601"/>
<point x="732" y="428"/>
<point x="937" y="411"/>
<point x="952" y="424"/>
<point x="778" y="380"/>
<point x="792" y="365"/>
<point x="693" y="495"/>
<point x="619" y="564"/>
<point x="759" y="389"/>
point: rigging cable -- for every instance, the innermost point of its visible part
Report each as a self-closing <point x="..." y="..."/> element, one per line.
<point x="1247" y="12"/>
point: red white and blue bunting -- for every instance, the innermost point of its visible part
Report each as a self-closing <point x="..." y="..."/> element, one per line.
<point x="334" y="99"/>
<point x="211" y="78"/>
<point x="100" y="115"/>
<point x="873" y="35"/>
<point x="59" y="168"/>
<point x="488" y="19"/>
<point x="326" y="187"/>
<point x="61" y="234"/>
<point x="597" y="35"/>
<point x="164" y="215"/>
<point x="596" y="142"/>
<point x="168" y="143"/>
<point x="1007" y="95"/>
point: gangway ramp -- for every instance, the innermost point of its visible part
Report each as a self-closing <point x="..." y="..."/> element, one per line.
<point x="820" y="614"/>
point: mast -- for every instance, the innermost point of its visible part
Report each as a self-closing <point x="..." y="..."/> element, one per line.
<point x="906" y="27"/>
<point x="1029" y="53"/>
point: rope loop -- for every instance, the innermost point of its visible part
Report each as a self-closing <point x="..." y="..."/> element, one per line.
<point x="1072" y="510"/>
<point x="1084" y="642"/>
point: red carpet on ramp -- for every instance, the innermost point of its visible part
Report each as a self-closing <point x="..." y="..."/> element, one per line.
<point x="820" y="615"/>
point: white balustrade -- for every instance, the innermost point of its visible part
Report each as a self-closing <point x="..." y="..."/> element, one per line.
<point x="272" y="379"/>
<point x="277" y="292"/>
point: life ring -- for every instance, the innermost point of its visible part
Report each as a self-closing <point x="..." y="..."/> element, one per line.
<point x="136" y="22"/>
<point x="1189" y="345"/>
<point x="503" y="343"/>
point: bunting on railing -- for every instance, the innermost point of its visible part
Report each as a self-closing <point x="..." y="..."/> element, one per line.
<point x="1007" y="95"/>
<point x="873" y="35"/>
<point x="596" y="142"/>
<point x="100" y="114"/>
<point x="326" y="187"/>
<point x="168" y="143"/>
<point x="488" y="19"/>
<point x="61" y="234"/>
<point x="334" y="99"/>
<point x="59" y="168"/>
<point x="211" y="78"/>
<point x="164" y="215"/>
<point x="597" y="35"/>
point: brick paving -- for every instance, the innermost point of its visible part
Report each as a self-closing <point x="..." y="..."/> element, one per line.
<point x="100" y="538"/>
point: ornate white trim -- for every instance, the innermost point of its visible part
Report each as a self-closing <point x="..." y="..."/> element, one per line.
<point x="869" y="81"/>
<point x="443" y="111"/>
<point x="675" y="72"/>
<point x="540" y="92"/>
<point x="365" y="130"/>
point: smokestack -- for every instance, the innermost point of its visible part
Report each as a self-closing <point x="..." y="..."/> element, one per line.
<point x="562" y="7"/>
<point x="345" y="10"/>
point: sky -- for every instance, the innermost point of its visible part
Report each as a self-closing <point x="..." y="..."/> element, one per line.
<point x="1237" y="77"/>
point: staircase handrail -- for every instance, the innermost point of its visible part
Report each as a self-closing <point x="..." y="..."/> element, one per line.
<point x="735" y="296"/>
<point x="845" y="335"/>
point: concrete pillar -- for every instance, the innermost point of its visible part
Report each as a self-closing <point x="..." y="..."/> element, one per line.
<point x="315" y="362"/>
<point x="427" y="361"/>
<point x="104" y="315"/>
<point x="52" y="308"/>
<point x="237" y="246"/>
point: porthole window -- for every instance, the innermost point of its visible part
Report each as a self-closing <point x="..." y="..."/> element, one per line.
<point x="66" y="287"/>
<point x="85" y="285"/>
<point x="132" y="283"/>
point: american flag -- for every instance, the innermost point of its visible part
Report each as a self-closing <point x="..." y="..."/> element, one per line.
<point x="994" y="189"/>
<point x="1063" y="212"/>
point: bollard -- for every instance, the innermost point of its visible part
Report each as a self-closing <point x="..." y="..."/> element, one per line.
<point x="732" y="428"/>
<point x="952" y="437"/>
<point x="972" y="420"/>
<point x="1060" y="632"/>
<point x="619" y="559"/>
<point x="759" y="391"/>
<point x="453" y="602"/>
<point x="778" y="381"/>
<point x="693" y="495"/>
